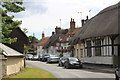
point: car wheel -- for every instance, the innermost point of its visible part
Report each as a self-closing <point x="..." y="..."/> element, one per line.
<point x="64" y="66"/>
<point x="67" y="67"/>
<point x="60" y="65"/>
<point x="116" y="77"/>
<point x="81" y="66"/>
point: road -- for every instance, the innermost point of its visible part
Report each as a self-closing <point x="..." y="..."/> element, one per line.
<point x="60" y="72"/>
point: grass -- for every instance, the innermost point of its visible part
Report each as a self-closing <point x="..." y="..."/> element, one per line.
<point x="33" y="74"/>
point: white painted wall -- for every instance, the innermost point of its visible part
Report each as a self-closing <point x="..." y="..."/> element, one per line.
<point x="98" y="60"/>
<point x="40" y="50"/>
<point x="79" y="51"/>
<point x="106" y="50"/>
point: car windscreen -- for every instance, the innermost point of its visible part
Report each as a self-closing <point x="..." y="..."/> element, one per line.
<point x="35" y="56"/>
<point x="52" y="55"/>
<point x="63" y="58"/>
<point x="73" y="59"/>
<point x="46" y="55"/>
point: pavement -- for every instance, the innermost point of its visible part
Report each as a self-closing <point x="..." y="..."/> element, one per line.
<point x="107" y="69"/>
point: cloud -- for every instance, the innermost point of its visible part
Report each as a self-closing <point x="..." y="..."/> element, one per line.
<point x="45" y="15"/>
<point x="32" y="8"/>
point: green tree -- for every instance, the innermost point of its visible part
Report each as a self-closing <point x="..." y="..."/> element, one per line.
<point x="33" y="39"/>
<point x="7" y="21"/>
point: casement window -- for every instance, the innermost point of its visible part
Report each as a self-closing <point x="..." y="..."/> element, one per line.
<point x="98" y="47"/>
<point x="107" y="47"/>
<point x="81" y="51"/>
<point x="88" y="47"/>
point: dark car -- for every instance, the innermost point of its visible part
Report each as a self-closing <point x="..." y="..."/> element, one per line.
<point x="72" y="62"/>
<point x="117" y="73"/>
<point x="61" y="61"/>
<point x="53" y="59"/>
<point x="45" y="56"/>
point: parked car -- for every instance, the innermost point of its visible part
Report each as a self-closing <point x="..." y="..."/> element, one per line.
<point x="26" y="57"/>
<point x="29" y="57"/>
<point x="61" y="61"/>
<point x="45" y="56"/>
<point x="72" y="62"/>
<point x="40" y="57"/>
<point x="117" y="73"/>
<point x="35" y="57"/>
<point x="52" y="58"/>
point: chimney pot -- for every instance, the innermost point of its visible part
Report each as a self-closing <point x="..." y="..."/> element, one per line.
<point x="57" y="29"/>
<point x="43" y="35"/>
<point x="82" y="21"/>
<point x="53" y="33"/>
<point x="86" y="17"/>
<point x="71" y="19"/>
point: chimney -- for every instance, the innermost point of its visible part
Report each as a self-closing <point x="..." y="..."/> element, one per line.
<point x="53" y="33"/>
<point x="86" y="18"/>
<point x="43" y="35"/>
<point x="57" y="29"/>
<point x="72" y="24"/>
<point x="83" y="22"/>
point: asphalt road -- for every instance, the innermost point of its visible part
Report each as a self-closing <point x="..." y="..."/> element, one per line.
<point x="60" y="72"/>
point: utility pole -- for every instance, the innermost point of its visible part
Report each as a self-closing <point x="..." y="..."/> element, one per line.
<point x="90" y="13"/>
<point x="60" y="22"/>
<point x="81" y="17"/>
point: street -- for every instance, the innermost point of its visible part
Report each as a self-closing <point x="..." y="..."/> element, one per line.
<point x="60" y="72"/>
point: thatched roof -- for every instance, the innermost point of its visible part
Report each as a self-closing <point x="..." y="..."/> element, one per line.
<point x="54" y="38"/>
<point x="103" y="24"/>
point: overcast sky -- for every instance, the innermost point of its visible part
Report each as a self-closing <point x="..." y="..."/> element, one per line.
<point x="44" y="15"/>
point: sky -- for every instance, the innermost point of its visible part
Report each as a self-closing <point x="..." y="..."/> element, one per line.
<point x="44" y="15"/>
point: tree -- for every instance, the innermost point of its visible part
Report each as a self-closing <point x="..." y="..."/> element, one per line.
<point x="7" y="21"/>
<point x="33" y="39"/>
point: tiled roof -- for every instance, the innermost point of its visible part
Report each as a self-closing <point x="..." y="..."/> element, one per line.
<point x="70" y="33"/>
<point x="54" y="38"/>
<point x="42" y="41"/>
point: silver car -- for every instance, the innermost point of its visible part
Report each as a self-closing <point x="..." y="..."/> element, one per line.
<point x="52" y="59"/>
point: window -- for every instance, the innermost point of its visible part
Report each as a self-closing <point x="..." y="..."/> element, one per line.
<point x="81" y="51"/>
<point x="98" y="47"/>
<point x="89" y="51"/>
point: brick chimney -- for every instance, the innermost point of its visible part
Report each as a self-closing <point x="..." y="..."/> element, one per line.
<point x="72" y="24"/>
<point x="83" y="22"/>
<point x="43" y="35"/>
<point x="57" y="29"/>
